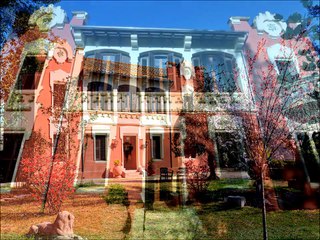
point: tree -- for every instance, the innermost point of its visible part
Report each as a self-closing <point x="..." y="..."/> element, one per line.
<point x="47" y="168"/>
<point x="281" y="101"/>
<point x="35" y="169"/>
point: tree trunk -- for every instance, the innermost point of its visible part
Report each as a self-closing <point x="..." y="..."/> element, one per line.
<point x="212" y="167"/>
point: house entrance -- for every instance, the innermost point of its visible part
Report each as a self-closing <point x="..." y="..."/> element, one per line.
<point x="9" y="155"/>
<point x="130" y="153"/>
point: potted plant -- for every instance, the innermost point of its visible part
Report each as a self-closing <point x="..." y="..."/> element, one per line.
<point x="117" y="169"/>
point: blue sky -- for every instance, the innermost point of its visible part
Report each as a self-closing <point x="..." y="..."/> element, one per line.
<point x="176" y="14"/>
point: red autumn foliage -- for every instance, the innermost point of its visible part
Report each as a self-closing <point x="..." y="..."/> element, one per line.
<point x="35" y="170"/>
<point x="197" y="174"/>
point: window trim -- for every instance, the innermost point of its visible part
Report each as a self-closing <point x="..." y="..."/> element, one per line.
<point x="95" y="146"/>
<point x="161" y="146"/>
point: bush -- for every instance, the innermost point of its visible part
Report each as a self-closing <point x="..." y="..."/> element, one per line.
<point x="85" y="184"/>
<point x="117" y="194"/>
<point x="197" y="178"/>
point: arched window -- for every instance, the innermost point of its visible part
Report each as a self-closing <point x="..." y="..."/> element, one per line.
<point x="106" y="66"/>
<point x="102" y="70"/>
<point x="154" y="65"/>
<point x="217" y="71"/>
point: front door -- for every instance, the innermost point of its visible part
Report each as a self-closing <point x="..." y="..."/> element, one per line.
<point x="130" y="153"/>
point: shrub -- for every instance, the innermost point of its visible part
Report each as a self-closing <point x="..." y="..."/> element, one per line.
<point x="197" y="177"/>
<point x="117" y="194"/>
<point x="85" y="184"/>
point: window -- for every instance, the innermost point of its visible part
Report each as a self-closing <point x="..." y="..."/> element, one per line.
<point x="156" y="146"/>
<point x="100" y="145"/>
<point x="30" y="72"/>
<point x="217" y="72"/>
<point x="61" y="145"/>
<point x="287" y="71"/>
<point x="59" y="91"/>
<point x="157" y="61"/>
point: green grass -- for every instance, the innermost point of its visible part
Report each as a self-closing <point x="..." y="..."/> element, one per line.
<point x="215" y="221"/>
<point x="246" y="223"/>
<point x="230" y="183"/>
<point x="166" y="223"/>
<point x="13" y="237"/>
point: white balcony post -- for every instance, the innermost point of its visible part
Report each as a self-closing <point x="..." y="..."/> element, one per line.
<point x="167" y="107"/>
<point x="142" y="102"/>
<point x="115" y="100"/>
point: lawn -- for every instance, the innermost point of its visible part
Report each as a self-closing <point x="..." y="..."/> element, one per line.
<point x="214" y="221"/>
<point x="94" y="219"/>
<point x="246" y="223"/>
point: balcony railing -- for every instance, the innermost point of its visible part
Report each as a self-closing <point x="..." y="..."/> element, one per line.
<point x="100" y="101"/>
<point x="128" y="102"/>
<point x="155" y="102"/>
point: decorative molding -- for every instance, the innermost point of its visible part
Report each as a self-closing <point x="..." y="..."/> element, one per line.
<point x="237" y="20"/>
<point x="224" y="122"/>
<point x="63" y="52"/>
<point x="48" y="17"/>
<point x="80" y="14"/>
<point x="265" y="22"/>
<point x="187" y="43"/>
<point x="78" y="38"/>
<point x="281" y="52"/>
<point x="134" y="42"/>
<point x="187" y="70"/>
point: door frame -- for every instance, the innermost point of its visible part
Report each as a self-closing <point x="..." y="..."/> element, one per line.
<point x="135" y="147"/>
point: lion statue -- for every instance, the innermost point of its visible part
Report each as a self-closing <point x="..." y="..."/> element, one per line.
<point x="62" y="226"/>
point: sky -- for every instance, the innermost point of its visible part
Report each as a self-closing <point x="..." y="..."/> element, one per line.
<point x="210" y="15"/>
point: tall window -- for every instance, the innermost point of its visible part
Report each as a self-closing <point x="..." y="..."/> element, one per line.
<point x="30" y="72"/>
<point x="154" y="65"/>
<point x="156" y="146"/>
<point x="217" y="71"/>
<point x="100" y="147"/>
<point x="59" y="91"/>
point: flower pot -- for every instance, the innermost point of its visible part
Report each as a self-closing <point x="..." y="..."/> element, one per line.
<point x="117" y="171"/>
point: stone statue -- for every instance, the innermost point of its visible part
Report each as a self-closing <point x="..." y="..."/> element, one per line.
<point x="62" y="228"/>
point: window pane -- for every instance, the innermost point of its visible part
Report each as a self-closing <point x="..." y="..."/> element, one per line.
<point x="100" y="148"/>
<point x="156" y="146"/>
